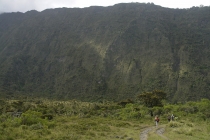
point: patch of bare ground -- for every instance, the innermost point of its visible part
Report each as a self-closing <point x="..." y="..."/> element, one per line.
<point x="158" y="130"/>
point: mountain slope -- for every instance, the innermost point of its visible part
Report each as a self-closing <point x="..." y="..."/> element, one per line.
<point x="106" y="52"/>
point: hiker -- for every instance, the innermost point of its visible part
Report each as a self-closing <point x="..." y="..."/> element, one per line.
<point x="169" y="118"/>
<point x="156" y="120"/>
<point x="172" y="117"/>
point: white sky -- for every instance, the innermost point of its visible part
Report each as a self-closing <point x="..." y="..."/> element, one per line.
<point x="39" y="5"/>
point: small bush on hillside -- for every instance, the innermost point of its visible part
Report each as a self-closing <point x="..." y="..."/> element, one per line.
<point x="16" y="122"/>
<point x="188" y="109"/>
<point x="4" y="118"/>
<point x="129" y="112"/>
<point x="31" y="117"/>
<point x="168" y="108"/>
<point x="204" y="105"/>
<point x="157" y="110"/>
<point x="175" y="124"/>
<point x="36" y="126"/>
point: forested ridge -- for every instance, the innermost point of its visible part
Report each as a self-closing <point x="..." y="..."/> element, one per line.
<point x="112" y="53"/>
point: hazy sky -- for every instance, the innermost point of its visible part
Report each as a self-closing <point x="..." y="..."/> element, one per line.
<point x="39" y="5"/>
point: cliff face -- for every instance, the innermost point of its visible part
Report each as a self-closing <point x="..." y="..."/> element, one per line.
<point x="106" y="52"/>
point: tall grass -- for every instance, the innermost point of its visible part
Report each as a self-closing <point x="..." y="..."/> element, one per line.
<point x="45" y="119"/>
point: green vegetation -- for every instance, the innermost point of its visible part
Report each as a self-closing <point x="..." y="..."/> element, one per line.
<point x="154" y="98"/>
<point x="75" y="120"/>
<point x="101" y="56"/>
<point x="106" y="53"/>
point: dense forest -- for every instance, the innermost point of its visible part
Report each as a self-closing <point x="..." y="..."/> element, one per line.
<point x="110" y="53"/>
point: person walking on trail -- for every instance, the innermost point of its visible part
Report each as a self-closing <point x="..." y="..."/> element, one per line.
<point x="172" y="117"/>
<point x="156" y="120"/>
<point x="169" y="118"/>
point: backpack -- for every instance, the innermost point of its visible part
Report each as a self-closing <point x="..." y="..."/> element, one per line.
<point x="157" y="119"/>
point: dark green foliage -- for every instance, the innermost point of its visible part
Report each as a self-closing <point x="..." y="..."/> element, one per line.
<point x="129" y="112"/>
<point x="188" y="109"/>
<point x="2" y="105"/>
<point x="168" y="108"/>
<point x="101" y="53"/>
<point x="151" y="99"/>
<point x="124" y="102"/>
<point x="157" y="110"/>
<point x="47" y="116"/>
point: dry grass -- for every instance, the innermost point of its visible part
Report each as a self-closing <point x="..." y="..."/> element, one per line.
<point x="187" y="130"/>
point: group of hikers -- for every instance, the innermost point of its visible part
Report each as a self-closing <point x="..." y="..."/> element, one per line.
<point x="170" y="118"/>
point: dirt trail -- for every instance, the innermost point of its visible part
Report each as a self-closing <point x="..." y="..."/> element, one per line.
<point x="159" y="131"/>
<point x="144" y="133"/>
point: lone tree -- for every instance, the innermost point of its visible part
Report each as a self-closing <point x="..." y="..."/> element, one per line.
<point x="151" y="99"/>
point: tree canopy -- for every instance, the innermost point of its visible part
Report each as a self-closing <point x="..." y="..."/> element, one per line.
<point x="151" y="99"/>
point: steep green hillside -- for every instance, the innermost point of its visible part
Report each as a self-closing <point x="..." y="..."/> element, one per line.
<point x="106" y="52"/>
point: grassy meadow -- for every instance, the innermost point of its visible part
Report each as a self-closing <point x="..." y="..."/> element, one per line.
<point x="74" y="120"/>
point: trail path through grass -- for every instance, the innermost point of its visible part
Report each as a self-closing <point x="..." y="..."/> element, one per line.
<point x="144" y="133"/>
<point x="159" y="130"/>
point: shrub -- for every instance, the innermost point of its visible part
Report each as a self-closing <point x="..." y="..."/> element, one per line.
<point x="188" y="109"/>
<point x="167" y="109"/>
<point x="175" y="124"/>
<point x="16" y="122"/>
<point x="36" y="126"/>
<point x="129" y="112"/>
<point x="31" y="117"/>
<point x="47" y="116"/>
<point x="157" y="110"/>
